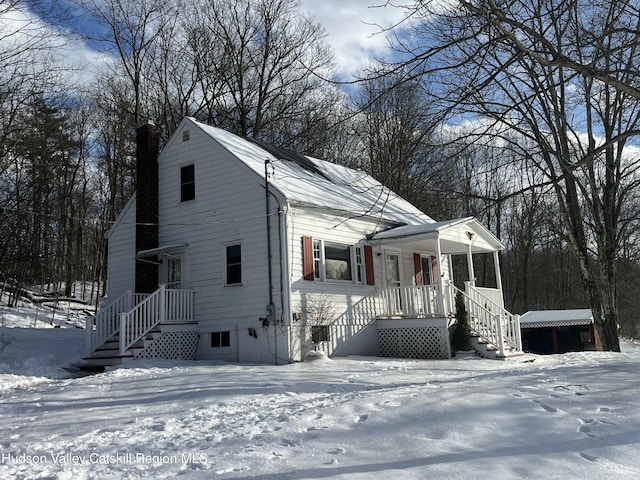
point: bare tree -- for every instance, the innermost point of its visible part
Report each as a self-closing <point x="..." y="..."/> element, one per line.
<point x="133" y="31"/>
<point x="256" y="61"/>
<point x="563" y="75"/>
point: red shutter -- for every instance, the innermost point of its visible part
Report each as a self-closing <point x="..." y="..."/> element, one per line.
<point x="434" y="269"/>
<point x="417" y="268"/>
<point x="307" y="259"/>
<point x="368" y="263"/>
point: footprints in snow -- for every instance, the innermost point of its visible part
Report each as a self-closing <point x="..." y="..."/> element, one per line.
<point x="545" y="407"/>
<point x="588" y="427"/>
<point x="334" y="451"/>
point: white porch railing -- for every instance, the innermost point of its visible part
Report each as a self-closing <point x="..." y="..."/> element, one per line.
<point x="492" y="294"/>
<point x="104" y="325"/>
<point x="487" y="316"/>
<point x="491" y="321"/>
<point x="161" y="306"/>
<point x="414" y="301"/>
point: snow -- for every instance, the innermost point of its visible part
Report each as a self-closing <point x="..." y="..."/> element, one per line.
<point x="338" y="187"/>
<point x="560" y="416"/>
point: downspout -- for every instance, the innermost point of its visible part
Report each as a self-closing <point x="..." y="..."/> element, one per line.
<point x="285" y="278"/>
<point x="270" y="307"/>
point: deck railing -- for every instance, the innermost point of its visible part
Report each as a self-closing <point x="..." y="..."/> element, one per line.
<point x="161" y="306"/>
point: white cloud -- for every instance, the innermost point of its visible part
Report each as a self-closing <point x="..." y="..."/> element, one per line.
<point x="354" y="29"/>
<point x="26" y="38"/>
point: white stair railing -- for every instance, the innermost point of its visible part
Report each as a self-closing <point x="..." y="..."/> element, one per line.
<point x="162" y="305"/>
<point x="104" y="325"/>
<point x="491" y="321"/>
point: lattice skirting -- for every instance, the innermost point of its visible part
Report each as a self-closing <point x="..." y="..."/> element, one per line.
<point x="417" y="342"/>
<point x="172" y="346"/>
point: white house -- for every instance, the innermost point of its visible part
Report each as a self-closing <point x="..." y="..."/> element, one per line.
<point x="240" y="251"/>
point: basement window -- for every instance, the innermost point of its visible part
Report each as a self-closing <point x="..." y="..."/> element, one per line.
<point x="220" y="339"/>
<point x="187" y="183"/>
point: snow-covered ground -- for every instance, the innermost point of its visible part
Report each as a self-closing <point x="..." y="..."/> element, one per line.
<point x="565" y="416"/>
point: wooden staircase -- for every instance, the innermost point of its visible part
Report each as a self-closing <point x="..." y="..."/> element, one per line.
<point x="495" y="332"/>
<point x="156" y="326"/>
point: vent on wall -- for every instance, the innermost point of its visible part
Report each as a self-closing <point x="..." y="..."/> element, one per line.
<point x="186" y="135"/>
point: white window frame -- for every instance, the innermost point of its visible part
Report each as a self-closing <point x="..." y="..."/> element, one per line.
<point x="172" y="263"/>
<point x="356" y="262"/>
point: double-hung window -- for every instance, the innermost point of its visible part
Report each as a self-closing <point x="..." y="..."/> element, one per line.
<point x="334" y="261"/>
<point x="187" y="183"/>
<point x="234" y="264"/>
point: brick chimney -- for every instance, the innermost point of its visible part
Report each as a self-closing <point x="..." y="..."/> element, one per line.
<point x="147" y="149"/>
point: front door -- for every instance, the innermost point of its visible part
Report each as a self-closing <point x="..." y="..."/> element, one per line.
<point x="392" y="269"/>
<point x="174" y="273"/>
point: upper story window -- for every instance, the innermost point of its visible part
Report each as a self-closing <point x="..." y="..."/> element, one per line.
<point x="187" y="183"/>
<point x="234" y="264"/>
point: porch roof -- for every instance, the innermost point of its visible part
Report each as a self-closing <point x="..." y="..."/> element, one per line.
<point x="455" y="236"/>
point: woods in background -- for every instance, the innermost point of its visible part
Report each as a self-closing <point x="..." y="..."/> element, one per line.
<point x="522" y="115"/>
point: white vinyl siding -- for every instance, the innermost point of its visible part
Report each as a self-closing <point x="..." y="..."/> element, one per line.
<point x="122" y="253"/>
<point x="344" y="296"/>
<point x="229" y="210"/>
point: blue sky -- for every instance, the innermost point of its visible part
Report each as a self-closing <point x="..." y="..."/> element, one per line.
<point x="352" y="29"/>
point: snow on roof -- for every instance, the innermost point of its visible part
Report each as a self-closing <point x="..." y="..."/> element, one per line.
<point x="411" y="230"/>
<point x="309" y="181"/>
<point x="456" y="232"/>
<point x="556" y="318"/>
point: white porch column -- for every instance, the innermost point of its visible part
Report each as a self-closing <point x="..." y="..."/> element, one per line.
<point x="440" y="277"/>
<point x="472" y="273"/>
<point x="496" y="265"/>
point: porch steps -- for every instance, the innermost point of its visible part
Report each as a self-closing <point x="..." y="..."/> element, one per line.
<point x="490" y="351"/>
<point x="108" y="354"/>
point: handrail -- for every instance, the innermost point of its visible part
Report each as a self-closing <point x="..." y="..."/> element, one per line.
<point x="491" y="320"/>
<point x="104" y="325"/>
<point x="162" y="305"/>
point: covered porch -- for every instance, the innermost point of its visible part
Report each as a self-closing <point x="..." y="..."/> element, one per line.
<point x="419" y="288"/>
